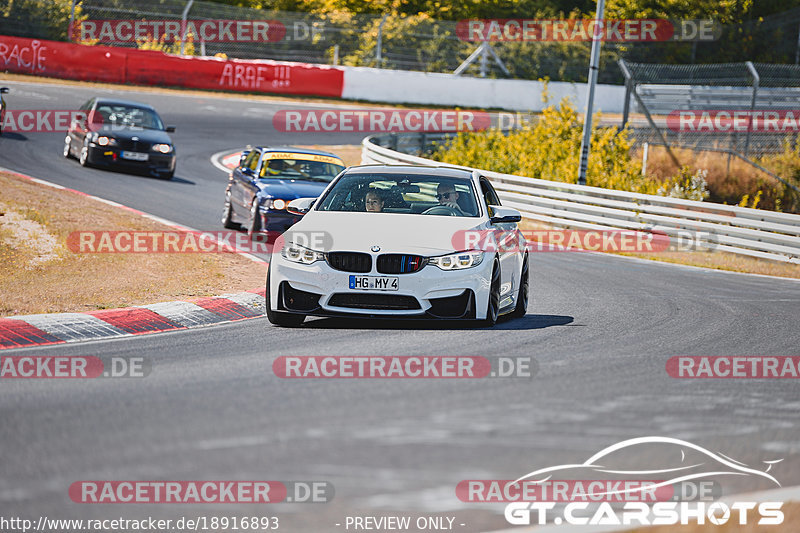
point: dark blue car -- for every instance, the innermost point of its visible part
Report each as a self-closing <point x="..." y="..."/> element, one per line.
<point x="267" y="179"/>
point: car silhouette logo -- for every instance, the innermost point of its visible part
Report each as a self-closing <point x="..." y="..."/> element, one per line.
<point x="375" y="248"/>
<point x="712" y="464"/>
<point x="134" y="138"/>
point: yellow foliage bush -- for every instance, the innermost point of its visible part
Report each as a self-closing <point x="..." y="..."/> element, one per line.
<point x="549" y="149"/>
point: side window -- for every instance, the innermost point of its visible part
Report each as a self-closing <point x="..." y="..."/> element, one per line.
<point x="251" y="161"/>
<point x="488" y="193"/>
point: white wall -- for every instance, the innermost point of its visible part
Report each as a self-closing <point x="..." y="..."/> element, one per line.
<point x="406" y="87"/>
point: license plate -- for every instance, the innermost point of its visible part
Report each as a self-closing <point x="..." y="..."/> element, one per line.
<point x="374" y="283"/>
<point x="135" y="156"/>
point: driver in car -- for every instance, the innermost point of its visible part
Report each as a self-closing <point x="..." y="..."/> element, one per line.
<point x="447" y="195"/>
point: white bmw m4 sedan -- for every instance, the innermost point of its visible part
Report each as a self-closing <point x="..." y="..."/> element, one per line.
<point x="400" y="242"/>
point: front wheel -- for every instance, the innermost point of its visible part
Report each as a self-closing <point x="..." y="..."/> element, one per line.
<point x="227" y="215"/>
<point x="493" y="306"/>
<point x="254" y="222"/>
<point x="284" y="320"/>
<point x="524" y="290"/>
<point x="84" y="157"/>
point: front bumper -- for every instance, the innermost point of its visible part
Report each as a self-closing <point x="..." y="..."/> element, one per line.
<point x="318" y="289"/>
<point x="275" y="221"/>
<point x="112" y="156"/>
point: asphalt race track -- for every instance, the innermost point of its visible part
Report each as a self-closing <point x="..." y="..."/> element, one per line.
<point x="599" y="328"/>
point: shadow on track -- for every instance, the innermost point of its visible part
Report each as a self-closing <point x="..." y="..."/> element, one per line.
<point x="528" y="322"/>
<point x="13" y="136"/>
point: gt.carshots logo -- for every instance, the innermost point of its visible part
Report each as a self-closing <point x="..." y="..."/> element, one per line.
<point x="380" y="120"/>
<point x="409" y="367"/>
<point x="682" y="498"/>
<point x="560" y="30"/>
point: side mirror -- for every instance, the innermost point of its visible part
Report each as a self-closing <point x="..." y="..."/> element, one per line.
<point x="170" y="129"/>
<point x="4" y="90"/>
<point x="503" y="215"/>
<point x="300" y="206"/>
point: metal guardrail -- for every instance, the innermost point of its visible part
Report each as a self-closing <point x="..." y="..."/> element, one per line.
<point x="740" y="230"/>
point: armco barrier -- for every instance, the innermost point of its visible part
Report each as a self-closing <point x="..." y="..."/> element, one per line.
<point x="146" y="67"/>
<point x="753" y="232"/>
<point x="432" y="88"/>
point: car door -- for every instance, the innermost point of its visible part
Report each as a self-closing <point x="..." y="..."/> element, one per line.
<point x="508" y="247"/>
<point x="242" y="182"/>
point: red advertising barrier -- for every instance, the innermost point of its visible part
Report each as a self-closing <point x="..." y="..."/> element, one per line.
<point x="146" y="67"/>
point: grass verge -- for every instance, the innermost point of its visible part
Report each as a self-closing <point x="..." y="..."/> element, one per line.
<point x="38" y="274"/>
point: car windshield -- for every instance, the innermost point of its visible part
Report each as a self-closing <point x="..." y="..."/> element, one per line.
<point x="127" y="116"/>
<point x="300" y="169"/>
<point x="404" y="194"/>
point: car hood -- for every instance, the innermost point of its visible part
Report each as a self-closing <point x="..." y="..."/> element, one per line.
<point x="143" y="135"/>
<point x="290" y="189"/>
<point x="393" y="232"/>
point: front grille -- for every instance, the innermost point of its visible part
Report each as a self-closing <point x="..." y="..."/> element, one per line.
<point x="400" y="263"/>
<point x="297" y="300"/>
<point x="133" y="146"/>
<point x="350" y="261"/>
<point x="374" y="301"/>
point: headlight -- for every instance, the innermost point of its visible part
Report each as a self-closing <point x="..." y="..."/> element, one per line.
<point x="163" y="148"/>
<point x="105" y="141"/>
<point x="299" y="254"/>
<point x="457" y="261"/>
<point x="277" y="204"/>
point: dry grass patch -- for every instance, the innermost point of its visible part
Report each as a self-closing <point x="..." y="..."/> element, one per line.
<point x="730" y="180"/>
<point x="39" y="274"/>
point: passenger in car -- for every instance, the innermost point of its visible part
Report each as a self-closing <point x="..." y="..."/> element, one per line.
<point x="373" y="202"/>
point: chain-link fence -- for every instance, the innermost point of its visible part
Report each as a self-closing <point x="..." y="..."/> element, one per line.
<point x="749" y="108"/>
<point x="416" y="42"/>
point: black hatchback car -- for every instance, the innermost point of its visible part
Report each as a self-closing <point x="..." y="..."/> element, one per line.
<point x="267" y="179"/>
<point x="123" y="134"/>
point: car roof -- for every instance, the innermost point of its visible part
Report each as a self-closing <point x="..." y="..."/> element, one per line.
<point x="416" y="170"/>
<point x="114" y="101"/>
<point x="296" y="150"/>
